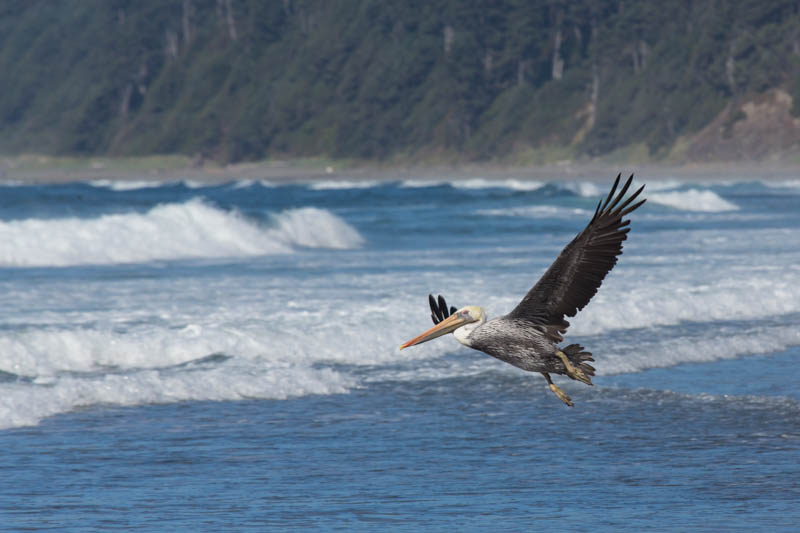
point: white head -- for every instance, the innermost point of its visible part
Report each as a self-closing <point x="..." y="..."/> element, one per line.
<point x="462" y="323"/>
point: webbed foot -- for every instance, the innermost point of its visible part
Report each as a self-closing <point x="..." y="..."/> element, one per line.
<point x="557" y="391"/>
<point x="573" y="371"/>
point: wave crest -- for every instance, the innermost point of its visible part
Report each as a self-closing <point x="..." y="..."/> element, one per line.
<point x="693" y="200"/>
<point x="187" y="230"/>
<point x="512" y="184"/>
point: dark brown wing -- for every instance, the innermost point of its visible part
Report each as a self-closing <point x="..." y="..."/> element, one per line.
<point x="573" y="279"/>
<point x="439" y="309"/>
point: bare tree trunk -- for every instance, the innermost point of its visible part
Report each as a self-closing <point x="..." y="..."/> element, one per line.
<point x="593" y="98"/>
<point x="522" y="70"/>
<point x="558" y="63"/>
<point x="595" y="95"/>
<point x="187" y="31"/>
<point x="449" y="37"/>
<point x="488" y="63"/>
<point x="171" y="45"/>
<point x="231" y="22"/>
<point x="730" y="68"/>
<point x="126" y="100"/>
<point x="635" y="58"/>
<point x="644" y="52"/>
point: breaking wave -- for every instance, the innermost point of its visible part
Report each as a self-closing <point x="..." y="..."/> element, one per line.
<point x="170" y="231"/>
<point x="513" y="184"/>
<point x="782" y="184"/>
<point x="235" y="349"/>
<point x="125" y="185"/>
<point x="538" y="211"/>
<point x="586" y="189"/>
<point x="693" y="200"/>
<point x="334" y="185"/>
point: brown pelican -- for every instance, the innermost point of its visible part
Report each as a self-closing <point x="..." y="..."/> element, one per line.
<point x="529" y="335"/>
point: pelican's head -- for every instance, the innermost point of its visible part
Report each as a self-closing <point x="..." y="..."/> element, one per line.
<point x="462" y="322"/>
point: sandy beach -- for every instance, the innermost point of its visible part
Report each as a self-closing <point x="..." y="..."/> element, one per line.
<point x="45" y="169"/>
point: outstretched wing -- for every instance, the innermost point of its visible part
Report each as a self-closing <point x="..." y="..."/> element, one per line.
<point x="439" y="310"/>
<point x="573" y="279"/>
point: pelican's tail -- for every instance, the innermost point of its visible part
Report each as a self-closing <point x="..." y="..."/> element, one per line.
<point x="579" y="358"/>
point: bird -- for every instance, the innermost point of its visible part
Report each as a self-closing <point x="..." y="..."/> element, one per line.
<point x="529" y="336"/>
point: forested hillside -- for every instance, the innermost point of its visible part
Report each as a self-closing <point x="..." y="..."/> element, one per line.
<point x="237" y="80"/>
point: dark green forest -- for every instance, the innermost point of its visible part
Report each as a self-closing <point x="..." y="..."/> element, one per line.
<point x="471" y="80"/>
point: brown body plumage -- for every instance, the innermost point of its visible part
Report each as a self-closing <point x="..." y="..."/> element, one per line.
<point x="528" y="337"/>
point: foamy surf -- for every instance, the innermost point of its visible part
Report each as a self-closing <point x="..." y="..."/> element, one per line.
<point x="713" y="345"/>
<point x="513" y="184"/>
<point x="537" y="211"/>
<point x="626" y="302"/>
<point x="125" y="185"/>
<point x="187" y="230"/>
<point x="333" y="185"/>
<point x="315" y="228"/>
<point x="291" y="342"/>
<point x="257" y="353"/>
<point x="693" y="200"/>
<point x="782" y="184"/>
<point x="421" y="183"/>
<point x="585" y="189"/>
<point x="693" y="287"/>
<point x="25" y="404"/>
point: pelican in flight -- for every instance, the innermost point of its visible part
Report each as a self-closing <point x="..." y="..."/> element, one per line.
<point x="528" y="337"/>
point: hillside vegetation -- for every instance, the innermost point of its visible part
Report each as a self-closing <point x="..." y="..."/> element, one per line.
<point x="237" y="80"/>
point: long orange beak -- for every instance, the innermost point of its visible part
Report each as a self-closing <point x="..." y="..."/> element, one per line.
<point x="448" y="325"/>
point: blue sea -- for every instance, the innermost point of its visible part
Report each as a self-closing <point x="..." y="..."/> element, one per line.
<point x="180" y="356"/>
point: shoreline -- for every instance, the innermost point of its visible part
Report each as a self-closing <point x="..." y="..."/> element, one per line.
<point x="41" y="170"/>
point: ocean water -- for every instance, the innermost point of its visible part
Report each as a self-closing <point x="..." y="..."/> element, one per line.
<point x="187" y="357"/>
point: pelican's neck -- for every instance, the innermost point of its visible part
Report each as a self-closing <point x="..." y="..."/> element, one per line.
<point x="462" y="334"/>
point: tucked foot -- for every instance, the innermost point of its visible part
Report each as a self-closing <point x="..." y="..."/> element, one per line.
<point x="573" y="371"/>
<point x="557" y="391"/>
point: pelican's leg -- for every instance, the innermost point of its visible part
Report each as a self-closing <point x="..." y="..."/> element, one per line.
<point x="557" y="391"/>
<point x="573" y="371"/>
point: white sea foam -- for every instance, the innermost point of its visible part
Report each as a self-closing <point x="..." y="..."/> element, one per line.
<point x="671" y="304"/>
<point x="586" y="189"/>
<point x="170" y="231"/>
<point x="246" y="183"/>
<point x="315" y="228"/>
<point x="25" y="404"/>
<point x="197" y="184"/>
<point x="537" y="211"/>
<point x="698" y="294"/>
<point x="325" y="185"/>
<point x="125" y="185"/>
<point x="693" y="200"/>
<point x="637" y="301"/>
<point x="285" y="341"/>
<point x="482" y="183"/>
<point x="716" y="344"/>
<point x="278" y="356"/>
<point x="782" y="184"/>
<point x="419" y="184"/>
